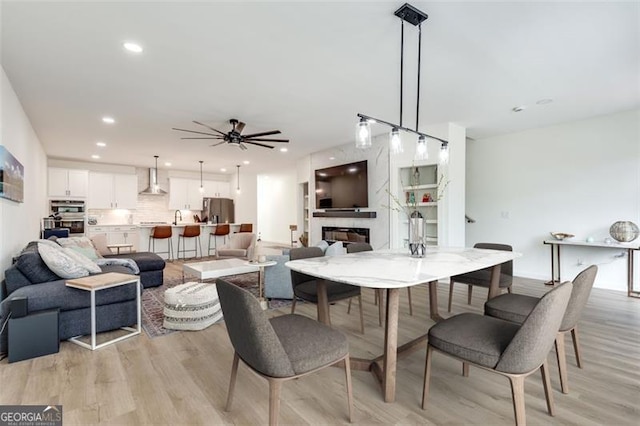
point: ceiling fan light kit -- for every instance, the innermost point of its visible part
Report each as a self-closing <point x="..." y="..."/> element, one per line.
<point x="235" y="136"/>
<point x="415" y="17"/>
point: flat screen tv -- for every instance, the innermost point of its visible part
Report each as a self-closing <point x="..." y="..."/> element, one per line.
<point x="342" y="187"/>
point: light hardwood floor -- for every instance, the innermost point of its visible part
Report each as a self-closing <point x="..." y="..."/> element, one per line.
<point x="182" y="378"/>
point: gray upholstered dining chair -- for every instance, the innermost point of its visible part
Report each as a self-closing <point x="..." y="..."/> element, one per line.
<point x="509" y="349"/>
<point x="482" y="277"/>
<point x="516" y="307"/>
<point x="305" y="287"/>
<point x="279" y="349"/>
<point x="360" y="247"/>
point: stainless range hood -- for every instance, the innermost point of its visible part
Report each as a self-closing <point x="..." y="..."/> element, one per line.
<point x="153" y="188"/>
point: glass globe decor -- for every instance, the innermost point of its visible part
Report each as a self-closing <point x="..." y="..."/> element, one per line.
<point x="624" y="231"/>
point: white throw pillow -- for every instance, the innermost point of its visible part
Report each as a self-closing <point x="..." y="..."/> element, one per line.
<point x="323" y="245"/>
<point x="100" y="243"/>
<point x="60" y="263"/>
<point x="80" y="244"/>
<point x="335" y="249"/>
<point x="83" y="260"/>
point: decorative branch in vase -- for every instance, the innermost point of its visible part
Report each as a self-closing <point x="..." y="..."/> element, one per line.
<point x="417" y="225"/>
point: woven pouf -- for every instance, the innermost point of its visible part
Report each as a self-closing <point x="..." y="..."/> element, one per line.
<point x="191" y="306"/>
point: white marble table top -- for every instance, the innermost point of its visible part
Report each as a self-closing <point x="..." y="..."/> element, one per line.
<point x="396" y="269"/>
<point x="219" y="268"/>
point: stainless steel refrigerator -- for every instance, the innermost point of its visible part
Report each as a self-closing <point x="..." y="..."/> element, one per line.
<point x="218" y="210"/>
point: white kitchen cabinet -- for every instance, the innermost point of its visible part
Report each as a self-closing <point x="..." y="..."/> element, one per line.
<point x="113" y="191"/>
<point x="184" y="194"/>
<point x="117" y="234"/>
<point x="219" y="189"/>
<point x="68" y="183"/>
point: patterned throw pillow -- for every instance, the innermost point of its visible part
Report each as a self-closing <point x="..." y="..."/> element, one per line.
<point x="80" y="244"/>
<point x="83" y="260"/>
<point x="60" y="263"/>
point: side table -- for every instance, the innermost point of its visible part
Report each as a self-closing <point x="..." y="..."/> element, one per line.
<point x="118" y="247"/>
<point x="33" y="335"/>
<point x="99" y="282"/>
<point x="262" y="265"/>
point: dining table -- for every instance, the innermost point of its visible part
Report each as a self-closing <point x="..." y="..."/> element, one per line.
<point x="393" y="270"/>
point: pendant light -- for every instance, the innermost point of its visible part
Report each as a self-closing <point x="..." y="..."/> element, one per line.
<point x="201" y="187"/>
<point x="415" y="17"/>
<point x="238" y="179"/>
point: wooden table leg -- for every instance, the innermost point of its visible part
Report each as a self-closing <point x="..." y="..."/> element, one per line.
<point x="494" y="286"/>
<point x="433" y="301"/>
<point x="391" y="345"/>
<point x="323" y="302"/>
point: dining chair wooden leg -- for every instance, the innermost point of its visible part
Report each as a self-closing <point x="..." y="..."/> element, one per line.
<point x="361" y="315"/>
<point x="275" y="386"/>
<point x="562" y="362"/>
<point x="347" y="372"/>
<point x="410" y="304"/>
<point x="379" y="292"/>
<point x="517" y="393"/>
<point x="465" y="369"/>
<point x="232" y="381"/>
<point x="469" y="293"/>
<point x="427" y="376"/>
<point x="450" y="295"/>
<point x="293" y="305"/>
<point x="576" y="345"/>
<point x="548" y="392"/>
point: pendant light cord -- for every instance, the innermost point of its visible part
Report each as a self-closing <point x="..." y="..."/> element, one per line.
<point x="401" y="66"/>
<point x="418" y="94"/>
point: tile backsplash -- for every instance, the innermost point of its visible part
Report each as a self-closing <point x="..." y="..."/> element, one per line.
<point x="150" y="208"/>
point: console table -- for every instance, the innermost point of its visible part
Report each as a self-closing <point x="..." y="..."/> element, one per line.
<point x="629" y="247"/>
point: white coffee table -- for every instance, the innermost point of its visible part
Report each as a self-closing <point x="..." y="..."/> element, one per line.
<point x="218" y="268"/>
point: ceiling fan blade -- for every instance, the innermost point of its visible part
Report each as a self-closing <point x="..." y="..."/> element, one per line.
<point x="240" y="127"/>
<point x="209" y="127"/>
<point x="219" y="143"/>
<point x="193" y="131"/>
<point x="242" y="147"/>
<point x="213" y="137"/>
<point x="259" y="144"/>
<point x="255" y="135"/>
<point x="268" y="140"/>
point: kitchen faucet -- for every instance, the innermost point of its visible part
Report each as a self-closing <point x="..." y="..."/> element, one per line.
<point x="175" y="217"/>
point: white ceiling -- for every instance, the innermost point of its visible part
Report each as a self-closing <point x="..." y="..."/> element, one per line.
<point x="305" y="68"/>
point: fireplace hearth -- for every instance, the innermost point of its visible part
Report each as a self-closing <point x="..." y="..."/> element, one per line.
<point x="347" y="235"/>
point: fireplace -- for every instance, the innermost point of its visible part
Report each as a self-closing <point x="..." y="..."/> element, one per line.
<point x="346" y="235"/>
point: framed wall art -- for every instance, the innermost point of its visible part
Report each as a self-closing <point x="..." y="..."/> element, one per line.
<point x="11" y="177"/>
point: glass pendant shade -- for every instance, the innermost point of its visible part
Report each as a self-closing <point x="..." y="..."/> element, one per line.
<point x="363" y="134"/>
<point x="422" y="153"/>
<point x="444" y="154"/>
<point x="395" y="143"/>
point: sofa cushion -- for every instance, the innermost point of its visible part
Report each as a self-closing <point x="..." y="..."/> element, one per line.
<point x="33" y="267"/>
<point x="323" y="245"/>
<point x="335" y="249"/>
<point x="146" y="261"/>
<point x="14" y="279"/>
<point x="60" y="263"/>
<point x="100" y="243"/>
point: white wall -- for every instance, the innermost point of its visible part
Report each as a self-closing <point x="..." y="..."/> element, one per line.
<point x="277" y="198"/>
<point x="20" y="222"/>
<point x="577" y="177"/>
<point x="245" y="202"/>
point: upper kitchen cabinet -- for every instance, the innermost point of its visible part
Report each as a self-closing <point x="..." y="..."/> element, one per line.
<point x="216" y="189"/>
<point x="184" y="194"/>
<point x="113" y="191"/>
<point x="68" y="183"/>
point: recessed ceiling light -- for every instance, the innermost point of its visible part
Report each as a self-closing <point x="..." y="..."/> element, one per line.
<point x="95" y="157"/>
<point x="108" y="120"/>
<point x="544" y="101"/>
<point x="223" y="169"/>
<point x="167" y="164"/>
<point x="519" y="108"/>
<point x="246" y="162"/>
<point x="283" y="150"/>
<point x="101" y="144"/>
<point x="332" y="158"/>
<point x="132" y="47"/>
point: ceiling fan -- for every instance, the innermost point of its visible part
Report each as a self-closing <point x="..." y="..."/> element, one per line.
<point x="235" y="136"/>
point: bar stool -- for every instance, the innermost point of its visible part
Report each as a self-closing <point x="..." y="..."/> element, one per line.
<point x="190" y="231"/>
<point x="246" y="227"/>
<point x="161" y="233"/>
<point x="221" y="230"/>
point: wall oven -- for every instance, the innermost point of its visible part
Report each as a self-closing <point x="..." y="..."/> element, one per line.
<point x="69" y="214"/>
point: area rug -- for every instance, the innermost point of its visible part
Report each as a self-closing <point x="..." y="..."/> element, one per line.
<point x="153" y="301"/>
